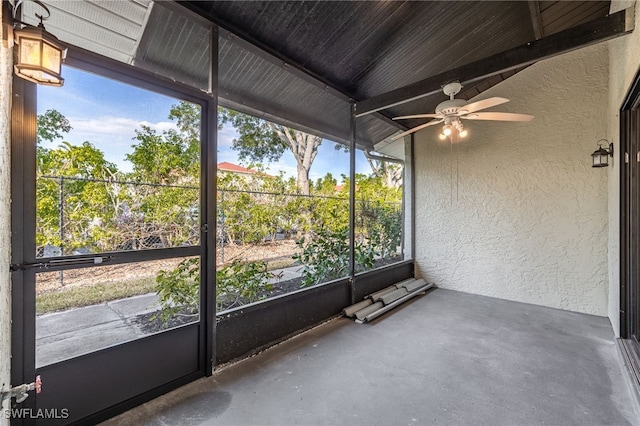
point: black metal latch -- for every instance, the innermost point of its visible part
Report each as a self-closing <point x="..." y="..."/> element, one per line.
<point x="20" y="393"/>
<point x="55" y="263"/>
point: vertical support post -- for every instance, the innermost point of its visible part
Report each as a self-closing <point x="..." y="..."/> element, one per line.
<point x="222" y="223"/>
<point x="23" y="230"/>
<point x="61" y="222"/>
<point x="352" y="203"/>
<point x="209" y="206"/>
<point x="625" y="241"/>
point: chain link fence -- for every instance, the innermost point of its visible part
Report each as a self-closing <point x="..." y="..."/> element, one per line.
<point x="85" y="215"/>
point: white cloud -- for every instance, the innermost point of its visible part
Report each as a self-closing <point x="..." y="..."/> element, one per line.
<point x="160" y="126"/>
<point x="113" y="126"/>
<point x="112" y="135"/>
<point x="226" y="135"/>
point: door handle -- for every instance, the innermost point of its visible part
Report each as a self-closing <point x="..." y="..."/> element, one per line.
<point x="21" y="392"/>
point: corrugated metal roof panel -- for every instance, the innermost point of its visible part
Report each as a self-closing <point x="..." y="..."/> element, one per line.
<point x="110" y="28"/>
<point x="248" y="82"/>
<point x="176" y="47"/>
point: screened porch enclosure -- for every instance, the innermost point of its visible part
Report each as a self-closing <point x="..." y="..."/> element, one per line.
<point x="272" y="185"/>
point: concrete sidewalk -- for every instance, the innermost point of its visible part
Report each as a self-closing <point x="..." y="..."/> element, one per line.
<point x="62" y="335"/>
<point x="66" y="334"/>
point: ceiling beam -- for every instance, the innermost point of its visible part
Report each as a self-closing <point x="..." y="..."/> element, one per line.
<point x="596" y="31"/>
<point x="536" y="19"/>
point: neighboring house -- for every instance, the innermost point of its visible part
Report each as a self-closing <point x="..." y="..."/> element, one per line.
<point x="230" y="168"/>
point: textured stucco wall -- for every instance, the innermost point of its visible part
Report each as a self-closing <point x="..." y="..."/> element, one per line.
<point x="516" y="211"/>
<point x="5" y="230"/>
<point x="624" y="62"/>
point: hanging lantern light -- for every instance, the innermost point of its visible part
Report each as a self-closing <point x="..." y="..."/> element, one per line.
<point x="39" y="54"/>
<point x="600" y="157"/>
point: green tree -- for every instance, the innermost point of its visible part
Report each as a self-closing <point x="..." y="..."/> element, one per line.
<point x="378" y="214"/>
<point x="326" y="185"/>
<point x="172" y="156"/>
<point x="167" y="165"/>
<point x="74" y="172"/>
<point x="51" y="125"/>
<point x="390" y="173"/>
<point x="261" y="140"/>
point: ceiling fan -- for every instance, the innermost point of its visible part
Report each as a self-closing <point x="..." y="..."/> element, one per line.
<point x="451" y="111"/>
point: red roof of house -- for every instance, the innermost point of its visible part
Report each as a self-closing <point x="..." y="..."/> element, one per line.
<point x="230" y="167"/>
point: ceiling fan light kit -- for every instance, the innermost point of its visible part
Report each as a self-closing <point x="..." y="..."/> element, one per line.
<point x="451" y="111"/>
<point x="453" y="126"/>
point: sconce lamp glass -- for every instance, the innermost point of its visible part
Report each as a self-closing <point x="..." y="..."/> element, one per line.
<point x="600" y="156"/>
<point x="39" y="56"/>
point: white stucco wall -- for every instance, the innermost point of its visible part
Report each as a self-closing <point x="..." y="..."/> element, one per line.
<point x="516" y="211"/>
<point x="5" y="230"/>
<point x="624" y="62"/>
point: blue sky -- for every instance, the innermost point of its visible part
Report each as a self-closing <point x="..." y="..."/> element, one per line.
<point x="106" y="113"/>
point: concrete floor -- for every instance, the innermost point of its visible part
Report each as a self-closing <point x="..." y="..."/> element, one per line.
<point x="443" y="358"/>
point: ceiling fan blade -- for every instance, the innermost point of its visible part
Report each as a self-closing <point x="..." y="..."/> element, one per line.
<point x="498" y="116"/>
<point x="483" y="104"/>
<point x="415" y="129"/>
<point x="417" y="116"/>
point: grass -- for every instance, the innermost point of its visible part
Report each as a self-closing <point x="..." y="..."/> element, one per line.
<point x="91" y="295"/>
<point x="279" y="263"/>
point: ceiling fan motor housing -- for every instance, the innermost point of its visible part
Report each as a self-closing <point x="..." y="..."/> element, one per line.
<point x="450" y="107"/>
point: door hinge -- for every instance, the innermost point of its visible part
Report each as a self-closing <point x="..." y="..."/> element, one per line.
<point x="20" y="393"/>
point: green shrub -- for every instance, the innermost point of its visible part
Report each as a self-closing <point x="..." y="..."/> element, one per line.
<point x="241" y="282"/>
<point x="236" y="284"/>
<point x="326" y="257"/>
<point x="179" y="289"/>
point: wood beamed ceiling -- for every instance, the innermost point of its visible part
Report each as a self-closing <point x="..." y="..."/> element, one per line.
<point x="369" y="51"/>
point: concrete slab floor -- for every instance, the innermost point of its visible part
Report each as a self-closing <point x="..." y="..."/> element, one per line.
<point x="444" y="358"/>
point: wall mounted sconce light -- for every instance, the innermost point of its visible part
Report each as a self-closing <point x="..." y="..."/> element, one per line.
<point x="600" y="156"/>
<point x="39" y="54"/>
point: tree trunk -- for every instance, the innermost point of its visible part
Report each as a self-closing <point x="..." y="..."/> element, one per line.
<point x="303" y="180"/>
<point x="304" y="148"/>
<point x="390" y="174"/>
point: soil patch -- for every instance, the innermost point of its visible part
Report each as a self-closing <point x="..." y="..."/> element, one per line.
<point x="278" y="253"/>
